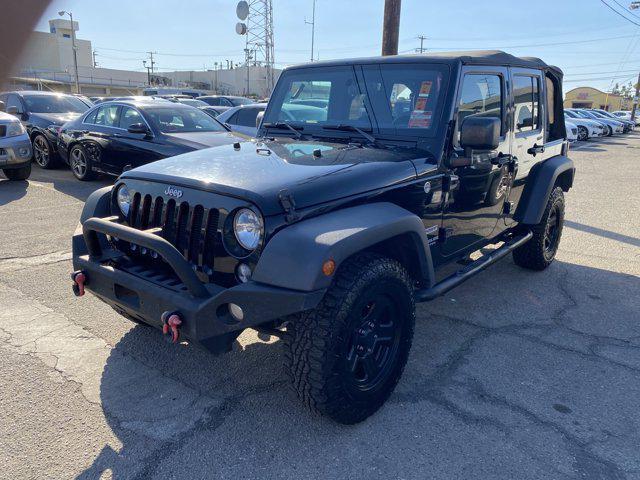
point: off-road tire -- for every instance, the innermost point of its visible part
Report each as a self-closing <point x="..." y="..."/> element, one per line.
<point x="538" y="253"/>
<point x="21" y="173"/>
<point x="319" y="343"/>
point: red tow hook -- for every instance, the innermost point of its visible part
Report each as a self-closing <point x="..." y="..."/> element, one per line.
<point x="79" y="279"/>
<point x="171" y="322"/>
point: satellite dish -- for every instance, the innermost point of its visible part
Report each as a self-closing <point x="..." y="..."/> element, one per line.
<point x="241" y="28"/>
<point x="242" y="10"/>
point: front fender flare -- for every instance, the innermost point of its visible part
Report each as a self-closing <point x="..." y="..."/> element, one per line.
<point x="293" y="258"/>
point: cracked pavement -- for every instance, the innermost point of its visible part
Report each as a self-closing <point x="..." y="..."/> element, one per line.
<point x="515" y="374"/>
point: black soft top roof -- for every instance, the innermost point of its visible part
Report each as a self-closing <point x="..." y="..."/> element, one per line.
<point x="475" y="57"/>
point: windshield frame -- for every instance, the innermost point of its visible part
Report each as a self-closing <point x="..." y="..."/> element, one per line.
<point x="359" y="72"/>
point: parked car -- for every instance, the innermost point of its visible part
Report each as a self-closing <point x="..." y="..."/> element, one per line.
<point x="245" y="119"/>
<point x="214" y="111"/>
<point x="42" y="114"/>
<point x="225" y="100"/>
<point x="572" y="131"/>
<point x="15" y="148"/>
<point x="327" y="231"/>
<point x="191" y="102"/>
<point x="242" y="119"/>
<point x="626" y="115"/>
<point x="587" y="128"/>
<point x="612" y="127"/>
<point x="627" y="124"/>
<point x="117" y="135"/>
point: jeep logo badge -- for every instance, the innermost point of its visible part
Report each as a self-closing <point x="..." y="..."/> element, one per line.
<point x="173" y="192"/>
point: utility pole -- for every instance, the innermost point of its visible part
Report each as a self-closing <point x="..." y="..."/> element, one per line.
<point x="635" y="101"/>
<point x="95" y="62"/>
<point x="144" y="63"/>
<point x="391" y="27"/>
<point x="313" y="28"/>
<point x="422" y="38"/>
<point x="73" y="46"/>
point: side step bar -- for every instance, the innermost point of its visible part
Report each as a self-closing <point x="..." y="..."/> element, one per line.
<point x="470" y="270"/>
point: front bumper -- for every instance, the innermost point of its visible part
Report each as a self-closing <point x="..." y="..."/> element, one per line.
<point x="139" y="293"/>
<point x="15" y="152"/>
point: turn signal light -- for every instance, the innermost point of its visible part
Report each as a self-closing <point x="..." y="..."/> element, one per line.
<point x="329" y="267"/>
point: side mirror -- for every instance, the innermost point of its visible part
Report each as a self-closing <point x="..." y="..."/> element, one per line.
<point x="480" y="133"/>
<point x="138" y="128"/>
<point x="259" y="118"/>
<point x="13" y="110"/>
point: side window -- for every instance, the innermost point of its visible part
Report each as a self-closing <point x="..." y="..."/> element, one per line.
<point x="247" y="117"/>
<point x="526" y="93"/>
<point x="225" y="102"/>
<point x="91" y="118"/>
<point x="129" y="116"/>
<point x="14" y="101"/>
<point x="481" y="95"/>
<point x="107" y="116"/>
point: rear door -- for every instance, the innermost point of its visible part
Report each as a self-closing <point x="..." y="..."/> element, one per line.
<point x="528" y="128"/>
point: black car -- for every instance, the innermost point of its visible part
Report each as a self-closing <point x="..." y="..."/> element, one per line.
<point x="225" y="100"/>
<point x="326" y="231"/>
<point x="43" y="113"/>
<point x="114" y="136"/>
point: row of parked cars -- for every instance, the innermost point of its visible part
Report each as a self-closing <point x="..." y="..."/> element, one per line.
<point x="583" y="124"/>
<point x="110" y="135"/>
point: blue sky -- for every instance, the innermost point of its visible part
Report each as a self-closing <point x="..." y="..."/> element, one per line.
<point x="592" y="44"/>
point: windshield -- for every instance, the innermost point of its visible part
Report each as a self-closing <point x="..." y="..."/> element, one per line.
<point x="240" y="101"/>
<point x="185" y="119"/>
<point x="391" y="99"/>
<point x="54" y="104"/>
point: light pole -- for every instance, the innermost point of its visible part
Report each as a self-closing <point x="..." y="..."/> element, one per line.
<point x="62" y="13"/>
<point x="313" y="28"/>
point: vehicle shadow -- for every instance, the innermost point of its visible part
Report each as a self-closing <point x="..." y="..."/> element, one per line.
<point x="178" y="409"/>
<point x="62" y="180"/>
<point x="10" y="191"/>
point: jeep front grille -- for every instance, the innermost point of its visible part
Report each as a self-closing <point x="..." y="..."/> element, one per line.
<point x="192" y="229"/>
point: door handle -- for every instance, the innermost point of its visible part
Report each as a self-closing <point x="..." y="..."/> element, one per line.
<point x="536" y="149"/>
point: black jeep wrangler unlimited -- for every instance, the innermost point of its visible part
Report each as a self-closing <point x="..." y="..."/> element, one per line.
<point x="367" y="178"/>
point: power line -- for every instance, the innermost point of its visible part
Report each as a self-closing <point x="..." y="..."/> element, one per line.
<point x="627" y="11"/>
<point x="618" y="13"/>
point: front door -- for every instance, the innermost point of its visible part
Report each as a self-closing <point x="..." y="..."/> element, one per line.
<point x="474" y="202"/>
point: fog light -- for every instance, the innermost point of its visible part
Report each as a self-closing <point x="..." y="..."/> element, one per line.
<point x="24" y="152"/>
<point x="243" y="272"/>
<point x="236" y="311"/>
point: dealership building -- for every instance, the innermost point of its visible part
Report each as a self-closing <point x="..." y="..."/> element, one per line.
<point x="46" y="63"/>
<point x="589" y="97"/>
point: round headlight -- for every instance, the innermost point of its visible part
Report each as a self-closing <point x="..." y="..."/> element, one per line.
<point x="247" y="227"/>
<point x="124" y="200"/>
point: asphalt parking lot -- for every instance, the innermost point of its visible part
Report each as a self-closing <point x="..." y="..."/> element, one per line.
<point x="513" y="375"/>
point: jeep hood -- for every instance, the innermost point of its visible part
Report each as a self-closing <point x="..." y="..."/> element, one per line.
<point x="198" y="140"/>
<point x="258" y="171"/>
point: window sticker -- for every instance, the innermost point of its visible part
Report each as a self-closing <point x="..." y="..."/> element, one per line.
<point x="420" y="116"/>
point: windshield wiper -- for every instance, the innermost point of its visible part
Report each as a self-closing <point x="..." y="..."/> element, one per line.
<point x="350" y="128"/>
<point x="283" y="125"/>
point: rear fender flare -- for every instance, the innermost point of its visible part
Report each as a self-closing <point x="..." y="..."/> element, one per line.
<point x="543" y="177"/>
<point x="293" y="258"/>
